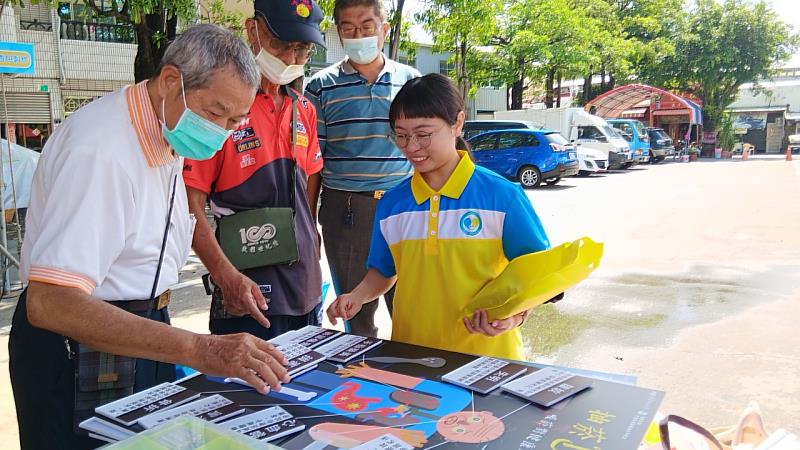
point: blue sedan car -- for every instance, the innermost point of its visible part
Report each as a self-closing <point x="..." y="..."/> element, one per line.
<point x="529" y="156"/>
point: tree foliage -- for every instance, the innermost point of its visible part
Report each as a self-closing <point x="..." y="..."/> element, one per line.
<point x="217" y="13"/>
<point x="719" y="47"/>
<point x="459" y="27"/>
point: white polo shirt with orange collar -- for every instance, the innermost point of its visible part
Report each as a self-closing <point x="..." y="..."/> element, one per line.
<point x="100" y="199"/>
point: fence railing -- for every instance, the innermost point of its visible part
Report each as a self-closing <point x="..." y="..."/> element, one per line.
<point x="35" y="25"/>
<point x="100" y="32"/>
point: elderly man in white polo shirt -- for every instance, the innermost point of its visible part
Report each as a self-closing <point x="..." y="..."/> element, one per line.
<point x="108" y="231"/>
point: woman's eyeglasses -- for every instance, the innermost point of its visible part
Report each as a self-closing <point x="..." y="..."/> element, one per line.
<point x="423" y="140"/>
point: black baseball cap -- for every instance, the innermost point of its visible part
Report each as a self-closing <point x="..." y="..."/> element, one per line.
<point x="292" y="20"/>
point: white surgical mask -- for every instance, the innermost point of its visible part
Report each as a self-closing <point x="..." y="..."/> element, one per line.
<point x="276" y="71"/>
<point x="363" y="50"/>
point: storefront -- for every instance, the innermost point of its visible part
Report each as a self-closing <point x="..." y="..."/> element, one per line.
<point x="763" y="127"/>
<point x="680" y="117"/>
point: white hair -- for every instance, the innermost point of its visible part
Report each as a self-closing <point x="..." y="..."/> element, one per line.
<point x="202" y="49"/>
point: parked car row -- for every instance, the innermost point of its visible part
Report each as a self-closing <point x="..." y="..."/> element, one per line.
<point x="534" y="153"/>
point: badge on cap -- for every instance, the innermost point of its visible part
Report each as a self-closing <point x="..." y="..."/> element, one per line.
<point x="303" y="8"/>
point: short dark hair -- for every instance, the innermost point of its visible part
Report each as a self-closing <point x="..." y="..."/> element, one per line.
<point x="377" y="5"/>
<point x="431" y="96"/>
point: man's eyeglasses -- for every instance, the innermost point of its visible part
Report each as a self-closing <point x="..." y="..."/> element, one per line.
<point x="301" y="50"/>
<point x="367" y="29"/>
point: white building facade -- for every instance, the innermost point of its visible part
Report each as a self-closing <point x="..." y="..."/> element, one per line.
<point x="76" y="61"/>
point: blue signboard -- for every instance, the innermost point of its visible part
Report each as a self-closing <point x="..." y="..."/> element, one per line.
<point x="16" y="57"/>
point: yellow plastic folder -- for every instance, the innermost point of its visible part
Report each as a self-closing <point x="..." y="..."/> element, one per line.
<point x="533" y="279"/>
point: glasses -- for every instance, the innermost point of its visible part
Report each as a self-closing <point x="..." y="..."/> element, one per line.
<point x="301" y="51"/>
<point x="423" y="140"/>
<point x="368" y="29"/>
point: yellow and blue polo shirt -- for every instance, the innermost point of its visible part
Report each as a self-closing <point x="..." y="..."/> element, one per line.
<point x="444" y="247"/>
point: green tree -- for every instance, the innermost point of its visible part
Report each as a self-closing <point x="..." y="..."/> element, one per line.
<point x="217" y="13"/>
<point x="552" y="40"/>
<point x="155" y="23"/>
<point x="720" y="46"/>
<point x="397" y="25"/>
<point x="459" y="26"/>
<point x="648" y="29"/>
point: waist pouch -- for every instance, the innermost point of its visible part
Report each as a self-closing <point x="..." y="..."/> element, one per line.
<point x="101" y="377"/>
<point x="259" y="237"/>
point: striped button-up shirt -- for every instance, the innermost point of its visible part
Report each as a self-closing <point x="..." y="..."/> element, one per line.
<point x="353" y="126"/>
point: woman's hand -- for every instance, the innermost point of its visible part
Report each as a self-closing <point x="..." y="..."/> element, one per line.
<point x="479" y="323"/>
<point x="346" y="306"/>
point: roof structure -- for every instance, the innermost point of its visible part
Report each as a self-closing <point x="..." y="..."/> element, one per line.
<point x="635" y="99"/>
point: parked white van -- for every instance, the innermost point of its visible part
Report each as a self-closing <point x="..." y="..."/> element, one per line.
<point x="580" y="127"/>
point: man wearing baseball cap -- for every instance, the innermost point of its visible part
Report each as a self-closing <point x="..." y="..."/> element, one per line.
<point x="263" y="188"/>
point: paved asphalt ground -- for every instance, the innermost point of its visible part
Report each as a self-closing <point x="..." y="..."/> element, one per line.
<point x="698" y="293"/>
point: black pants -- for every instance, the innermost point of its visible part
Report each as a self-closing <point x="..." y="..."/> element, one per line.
<point x="43" y="381"/>
<point x="346" y="220"/>
<point x="278" y="324"/>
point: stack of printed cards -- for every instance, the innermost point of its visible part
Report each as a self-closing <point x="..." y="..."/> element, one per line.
<point x="266" y="425"/>
<point x="347" y="347"/>
<point x="484" y="374"/>
<point x="301" y="358"/>
<point x="548" y="386"/>
<point x="215" y="408"/>
<point x="130" y="409"/>
<point x="310" y="336"/>
<point x="108" y="430"/>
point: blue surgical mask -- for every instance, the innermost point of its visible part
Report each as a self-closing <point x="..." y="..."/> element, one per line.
<point x="363" y="50"/>
<point x="194" y="137"/>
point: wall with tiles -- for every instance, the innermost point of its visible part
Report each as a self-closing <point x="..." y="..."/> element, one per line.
<point x="98" y="60"/>
<point x="44" y="50"/>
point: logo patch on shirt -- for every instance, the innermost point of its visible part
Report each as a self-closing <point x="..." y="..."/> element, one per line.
<point x="248" y="145"/>
<point x="470" y="223"/>
<point x="302" y="134"/>
<point x="247" y="161"/>
<point x="242" y="134"/>
<point x="302" y="140"/>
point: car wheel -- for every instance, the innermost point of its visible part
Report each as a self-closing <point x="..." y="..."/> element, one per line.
<point x="529" y="177"/>
<point x="553" y="181"/>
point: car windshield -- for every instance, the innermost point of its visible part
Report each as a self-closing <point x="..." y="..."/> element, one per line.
<point x="642" y="132"/>
<point x="660" y="134"/>
<point x="613" y="132"/>
<point x="555" y="138"/>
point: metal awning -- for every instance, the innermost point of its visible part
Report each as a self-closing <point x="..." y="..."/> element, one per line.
<point x="634" y="113"/>
<point x="616" y="102"/>
<point x="792" y="116"/>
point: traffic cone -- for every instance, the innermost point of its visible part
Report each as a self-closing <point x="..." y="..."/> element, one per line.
<point x="788" y="153"/>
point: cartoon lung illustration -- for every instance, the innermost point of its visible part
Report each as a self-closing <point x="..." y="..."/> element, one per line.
<point x="347" y="400"/>
<point x="391" y="399"/>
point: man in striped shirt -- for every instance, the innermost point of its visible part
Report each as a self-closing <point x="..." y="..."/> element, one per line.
<point x="352" y="98"/>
